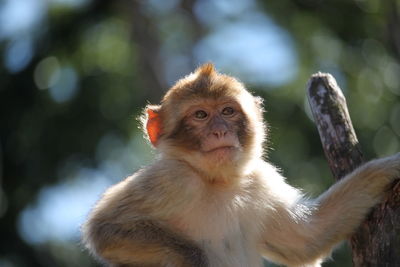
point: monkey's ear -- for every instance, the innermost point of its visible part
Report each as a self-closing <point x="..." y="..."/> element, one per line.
<point x="153" y="123"/>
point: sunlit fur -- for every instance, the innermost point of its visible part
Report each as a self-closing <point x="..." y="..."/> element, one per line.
<point x="185" y="210"/>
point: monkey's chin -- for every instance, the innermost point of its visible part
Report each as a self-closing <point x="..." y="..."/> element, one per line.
<point x="221" y="154"/>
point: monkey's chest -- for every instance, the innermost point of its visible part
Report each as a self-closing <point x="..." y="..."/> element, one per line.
<point x="219" y="231"/>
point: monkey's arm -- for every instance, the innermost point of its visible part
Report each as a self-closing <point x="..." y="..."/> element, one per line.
<point x="142" y="243"/>
<point x="306" y="231"/>
<point x="124" y="227"/>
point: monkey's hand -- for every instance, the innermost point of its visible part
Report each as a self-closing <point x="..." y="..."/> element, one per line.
<point x="143" y="243"/>
<point x="387" y="168"/>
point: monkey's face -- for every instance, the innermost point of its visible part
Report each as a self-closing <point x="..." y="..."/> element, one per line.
<point x="209" y="120"/>
<point x="214" y="129"/>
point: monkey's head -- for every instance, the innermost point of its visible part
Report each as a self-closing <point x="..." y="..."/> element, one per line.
<point x="210" y="121"/>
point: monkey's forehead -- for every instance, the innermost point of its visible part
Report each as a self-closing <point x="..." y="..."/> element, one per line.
<point x="206" y="84"/>
<point x="209" y="103"/>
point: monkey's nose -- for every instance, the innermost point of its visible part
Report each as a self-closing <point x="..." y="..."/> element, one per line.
<point x="219" y="134"/>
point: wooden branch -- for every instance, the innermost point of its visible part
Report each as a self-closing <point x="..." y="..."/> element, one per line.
<point x="377" y="241"/>
<point x="338" y="138"/>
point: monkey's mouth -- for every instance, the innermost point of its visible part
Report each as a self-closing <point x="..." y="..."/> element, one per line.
<point x="221" y="152"/>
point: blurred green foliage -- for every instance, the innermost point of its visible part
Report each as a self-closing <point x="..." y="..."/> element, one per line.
<point x="76" y="74"/>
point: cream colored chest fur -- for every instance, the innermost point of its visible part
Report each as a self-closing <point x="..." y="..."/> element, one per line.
<point x="217" y="222"/>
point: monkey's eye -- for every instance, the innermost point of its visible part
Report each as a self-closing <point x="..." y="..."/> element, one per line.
<point x="200" y="115"/>
<point x="228" y="111"/>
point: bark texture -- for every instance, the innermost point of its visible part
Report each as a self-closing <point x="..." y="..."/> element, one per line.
<point x="377" y="241"/>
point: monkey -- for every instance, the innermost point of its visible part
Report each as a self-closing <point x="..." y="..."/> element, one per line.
<point x="209" y="199"/>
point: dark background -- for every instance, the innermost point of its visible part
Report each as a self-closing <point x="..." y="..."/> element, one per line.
<point x="75" y="74"/>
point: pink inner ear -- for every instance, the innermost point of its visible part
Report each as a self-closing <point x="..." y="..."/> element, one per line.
<point x="153" y="126"/>
<point x="152" y="114"/>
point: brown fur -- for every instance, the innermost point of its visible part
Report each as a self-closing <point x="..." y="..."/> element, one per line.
<point x="197" y="208"/>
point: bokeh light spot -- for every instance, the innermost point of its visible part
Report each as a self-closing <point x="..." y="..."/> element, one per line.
<point x="18" y="54"/>
<point x="47" y="72"/>
<point x="253" y="49"/>
<point x="61" y="209"/>
<point x="391" y="77"/>
<point x="385" y="142"/>
<point x="20" y="16"/>
<point x="66" y="86"/>
<point x="395" y="119"/>
<point x="70" y="3"/>
<point x="106" y="46"/>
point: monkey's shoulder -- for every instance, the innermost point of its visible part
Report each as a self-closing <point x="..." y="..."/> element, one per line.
<point x="271" y="188"/>
<point x="159" y="187"/>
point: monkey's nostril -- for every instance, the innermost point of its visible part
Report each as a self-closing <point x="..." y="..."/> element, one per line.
<point x="220" y="134"/>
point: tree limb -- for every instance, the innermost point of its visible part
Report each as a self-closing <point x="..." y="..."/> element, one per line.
<point x="377" y="241"/>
